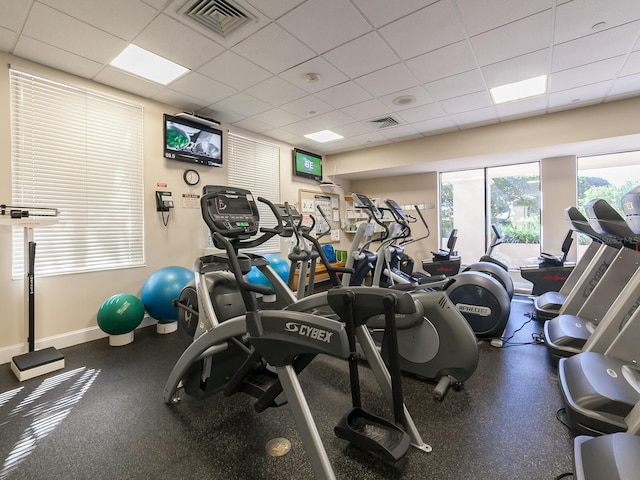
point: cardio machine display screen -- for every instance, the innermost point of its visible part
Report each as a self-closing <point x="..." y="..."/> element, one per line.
<point x="233" y="205"/>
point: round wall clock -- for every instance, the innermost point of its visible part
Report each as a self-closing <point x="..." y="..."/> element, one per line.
<point x="191" y="177"/>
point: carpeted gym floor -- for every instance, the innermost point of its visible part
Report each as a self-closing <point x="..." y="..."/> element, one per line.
<point x="103" y="417"/>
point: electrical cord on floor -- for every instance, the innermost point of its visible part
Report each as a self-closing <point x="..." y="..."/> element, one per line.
<point x="563" y="475"/>
<point x="536" y="338"/>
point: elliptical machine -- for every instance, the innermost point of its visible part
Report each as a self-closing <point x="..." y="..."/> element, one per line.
<point x="261" y="352"/>
<point x="480" y="298"/>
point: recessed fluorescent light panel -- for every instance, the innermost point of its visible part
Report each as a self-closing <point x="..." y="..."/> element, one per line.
<point x="324" y="136"/>
<point x="519" y="90"/>
<point x="145" y="64"/>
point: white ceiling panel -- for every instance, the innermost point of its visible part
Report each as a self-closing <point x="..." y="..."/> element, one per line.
<point x="325" y="24"/>
<point x="343" y="95"/>
<point x="444" y="62"/>
<point x="481" y="16"/>
<point x="329" y="75"/>
<point x="133" y="15"/>
<point x="445" y="53"/>
<point x="580" y="18"/>
<point x="52" y="56"/>
<point x="508" y="42"/>
<point x="598" y="46"/>
<point x="59" y="30"/>
<point x="234" y="70"/>
<point x="391" y="79"/>
<point x="276" y="91"/>
<point x="381" y="12"/>
<point x="363" y="55"/>
<point x="424" y="31"/>
<point x="274" y="48"/>
<point x="183" y="46"/>
<point x="456" y="85"/>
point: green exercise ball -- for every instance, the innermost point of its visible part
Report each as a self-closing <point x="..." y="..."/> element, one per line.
<point x="120" y="314"/>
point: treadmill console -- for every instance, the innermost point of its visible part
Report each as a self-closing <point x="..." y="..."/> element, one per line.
<point x="233" y="212"/>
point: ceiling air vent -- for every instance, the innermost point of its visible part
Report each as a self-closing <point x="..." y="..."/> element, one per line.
<point x="384" y="122"/>
<point x="220" y="16"/>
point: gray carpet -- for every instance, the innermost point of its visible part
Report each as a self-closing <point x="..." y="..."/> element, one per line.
<point x="103" y="417"/>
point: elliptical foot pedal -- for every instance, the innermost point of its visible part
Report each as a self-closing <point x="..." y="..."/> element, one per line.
<point x="373" y="434"/>
<point x="258" y="383"/>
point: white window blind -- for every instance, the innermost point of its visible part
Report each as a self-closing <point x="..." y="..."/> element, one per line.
<point x="254" y="165"/>
<point x="82" y="153"/>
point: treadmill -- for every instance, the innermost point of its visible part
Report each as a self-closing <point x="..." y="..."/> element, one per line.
<point x="600" y="390"/>
<point x="587" y="271"/>
<point x="613" y="300"/>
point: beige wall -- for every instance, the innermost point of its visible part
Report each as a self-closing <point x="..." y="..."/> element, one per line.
<point x="66" y="306"/>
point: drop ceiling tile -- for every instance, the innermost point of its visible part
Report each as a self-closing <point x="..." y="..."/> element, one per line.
<point x="181" y="101"/>
<point x="351" y="129"/>
<point x="201" y="87"/>
<point x="132" y="15"/>
<point x="280" y="134"/>
<point x="221" y="114"/>
<point x="435" y="126"/>
<point x="234" y="70"/>
<point x="421" y="95"/>
<point x="7" y="39"/>
<point x="476" y="118"/>
<point x="303" y="127"/>
<point x="157" y="4"/>
<point x="632" y="64"/>
<point x="332" y="119"/>
<point x="367" y="109"/>
<point x="274" y="49"/>
<point x="59" y="30"/>
<point x="362" y="55"/>
<point x="381" y="12"/>
<point x="518" y="68"/>
<point x="605" y="44"/>
<point x="252" y="125"/>
<point x="483" y="15"/>
<point x="329" y="75"/>
<point x="13" y="14"/>
<point x="431" y="28"/>
<point x="508" y="42"/>
<point x="625" y="86"/>
<point x="39" y="52"/>
<point x="244" y="104"/>
<point x="585" y="74"/>
<point x="580" y="95"/>
<point x="466" y="103"/>
<point x="404" y="132"/>
<point x="577" y="19"/>
<point x="442" y="63"/>
<point x="275" y="91"/>
<point x="275" y="8"/>
<point x="117" y="78"/>
<point x="371" y="139"/>
<point x="388" y="80"/>
<point x="276" y="117"/>
<point x="422" y="113"/>
<point x="343" y="95"/>
<point x="307" y="107"/>
<point x="183" y="46"/>
<point x="456" y="85"/>
<point x="325" y="24"/>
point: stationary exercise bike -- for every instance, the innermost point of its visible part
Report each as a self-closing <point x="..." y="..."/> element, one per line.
<point x="261" y="352"/>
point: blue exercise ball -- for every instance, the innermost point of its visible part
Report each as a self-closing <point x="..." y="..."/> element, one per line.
<point x="277" y="263"/>
<point x="120" y="314"/>
<point x="161" y="289"/>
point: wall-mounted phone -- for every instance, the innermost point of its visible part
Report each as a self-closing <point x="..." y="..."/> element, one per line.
<point x="164" y="201"/>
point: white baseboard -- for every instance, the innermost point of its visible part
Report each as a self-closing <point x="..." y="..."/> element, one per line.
<point x="64" y="340"/>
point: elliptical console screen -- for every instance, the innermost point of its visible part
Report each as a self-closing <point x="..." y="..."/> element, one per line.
<point x="231" y="209"/>
<point x="396" y="208"/>
<point x="362" y="201"/>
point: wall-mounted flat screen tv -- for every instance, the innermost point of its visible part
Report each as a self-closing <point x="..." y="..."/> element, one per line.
<point x="188" y="140"/>
<point x="307" y="164"/>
